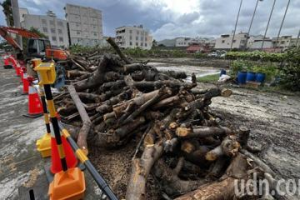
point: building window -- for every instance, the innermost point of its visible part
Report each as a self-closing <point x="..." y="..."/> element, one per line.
<point x="45" y="29"/>
<point x="61" y="39"/>
<point x="142" y="44"/>
<point x="142" y="38"/>
<point x="44" y="21"/>
<point x="282" y="42"/>
<point x="52" y="30"/>
<point x="145" y="44"/>
<point x="95" y="34"/>
<point x="53" y="38"/>
<point x="130" y="43"/>
<point x="136" y="44"/>
<point x="78" y="32"/>
<point x="130" y="37"/>
<point x="223" y="41"/>
<point x="59" y="31"/>
<point x="52" y="22"/>
<point x="130" y="31"/>
<point x="137" y="38"/>
<point x="146" y="39"/>
<point x="60" y="24"/>
<point x="137" y="32"/>
<point x="234" y="41"/>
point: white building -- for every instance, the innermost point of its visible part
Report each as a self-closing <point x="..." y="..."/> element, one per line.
<point x="133" y="37"/>
<point x="268" y="44"/>
<point x="186" y="41"/>
<point x="85" y="25"/>
<point x="56" y="29"/>
<point x="224" y="42"/>
<point x="22" y="12"/>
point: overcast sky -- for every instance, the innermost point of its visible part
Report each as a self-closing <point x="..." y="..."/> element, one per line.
<point x="172" y="18"/>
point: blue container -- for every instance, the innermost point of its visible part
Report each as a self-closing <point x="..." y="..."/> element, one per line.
<point x="223" y="71"/>
<point x="251" y="76"/>
<point x="241" y="77"/>
<point x="260" y="77"/>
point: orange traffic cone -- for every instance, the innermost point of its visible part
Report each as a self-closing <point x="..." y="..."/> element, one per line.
<point x="35" y="108"/>
<point x="7" y="65"/>
<point x="55" y="159"/>
<point x="25" y="83"/>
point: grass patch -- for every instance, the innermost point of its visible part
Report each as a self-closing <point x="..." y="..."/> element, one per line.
<point x="209" y="78"/>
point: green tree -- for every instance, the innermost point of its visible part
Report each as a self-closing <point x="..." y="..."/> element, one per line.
<point x="33" y="30"/>
<point x="7" y="10"/>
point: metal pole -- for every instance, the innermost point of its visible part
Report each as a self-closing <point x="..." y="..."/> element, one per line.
<point x="262" y="45"/>
<point x="298" y="39"/>
<point x="282" y="22"/>
<point x="252" y="22"/>
<point x="90" y="167"/>
<point x="236" y="23"/>
<point x="16" y="17"/>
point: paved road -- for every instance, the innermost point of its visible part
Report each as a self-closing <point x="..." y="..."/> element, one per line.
<point x="21" y="166"/>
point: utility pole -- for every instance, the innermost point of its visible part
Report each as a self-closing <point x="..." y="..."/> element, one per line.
<point x="282" y="22"/>
<point x="251" y="22"/>
<point x="236" y="23"/>
<point x="262" y="45"/>
<point x="16" y="17"/>
<point x="298" y="39"/>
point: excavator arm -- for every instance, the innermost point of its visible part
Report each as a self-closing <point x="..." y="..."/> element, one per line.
<point x="9" y="39"/>
<point x="56" y="54"/>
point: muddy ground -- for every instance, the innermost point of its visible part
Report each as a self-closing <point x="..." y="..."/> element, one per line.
<point x="274" y="120"/>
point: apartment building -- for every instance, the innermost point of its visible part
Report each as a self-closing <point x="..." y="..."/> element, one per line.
<point x="133" y="37"/>
<point x="85" y="25"/>
<point x="56" y="29"/>
<point x="22" y="12"/>
<point x="224" y="42"/>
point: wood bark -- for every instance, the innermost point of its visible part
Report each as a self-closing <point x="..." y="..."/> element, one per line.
<point x="136" y="189"/>
<point x="84" y="131"/>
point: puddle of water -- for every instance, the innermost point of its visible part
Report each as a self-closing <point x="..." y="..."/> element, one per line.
<point x="199" y="71"/>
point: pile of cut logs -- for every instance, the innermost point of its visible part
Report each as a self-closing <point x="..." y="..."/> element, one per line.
<point x="182" y="143"/>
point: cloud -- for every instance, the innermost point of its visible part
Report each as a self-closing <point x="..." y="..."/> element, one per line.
<point x="174" y="18"/>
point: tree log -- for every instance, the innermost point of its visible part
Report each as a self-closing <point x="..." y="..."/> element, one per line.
<point x="96" y="79"/>
<point x="117" y="49"/>
<point x="200" y="132"/>
<point x="136" y="189"/>
<point x="83" y="133"/>
<point x="223" y="189"/>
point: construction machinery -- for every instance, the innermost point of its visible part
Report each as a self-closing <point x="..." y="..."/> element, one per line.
<point x="37" y="47"/>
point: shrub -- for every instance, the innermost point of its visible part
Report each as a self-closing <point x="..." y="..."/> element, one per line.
<point x="290" y="70"/>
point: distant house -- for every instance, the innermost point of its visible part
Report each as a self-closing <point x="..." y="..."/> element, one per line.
<point x="194" y="49"/>
<point x="198" y="48"/>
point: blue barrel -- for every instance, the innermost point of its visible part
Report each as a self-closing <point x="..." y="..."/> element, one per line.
<point x="251" y="76"/>
<point x="241" y="77"/>
<point x="223" y="71"/>
<point x="260" y="77"/>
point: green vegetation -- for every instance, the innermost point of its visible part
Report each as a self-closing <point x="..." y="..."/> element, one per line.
<point x="209" y="78"/>
<point x="269" y="69"/>
<point x="290" y="71"/>
<point x="7" y="10"/>
<point x="155" y="52"/>
<point x="256" y="55"/>
<point x="77" y="49"/>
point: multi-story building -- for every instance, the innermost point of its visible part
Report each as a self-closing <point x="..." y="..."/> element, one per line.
<point x="133" y="37"/>
<point x="85" y="25"/>
<point x="22" y="12"/>
<point x="239" y="42"/>
<point x="56" y="29"/>
<point x="186" y="41"/>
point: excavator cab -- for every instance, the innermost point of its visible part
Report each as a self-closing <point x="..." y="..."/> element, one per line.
<point x="36" y="48"/>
